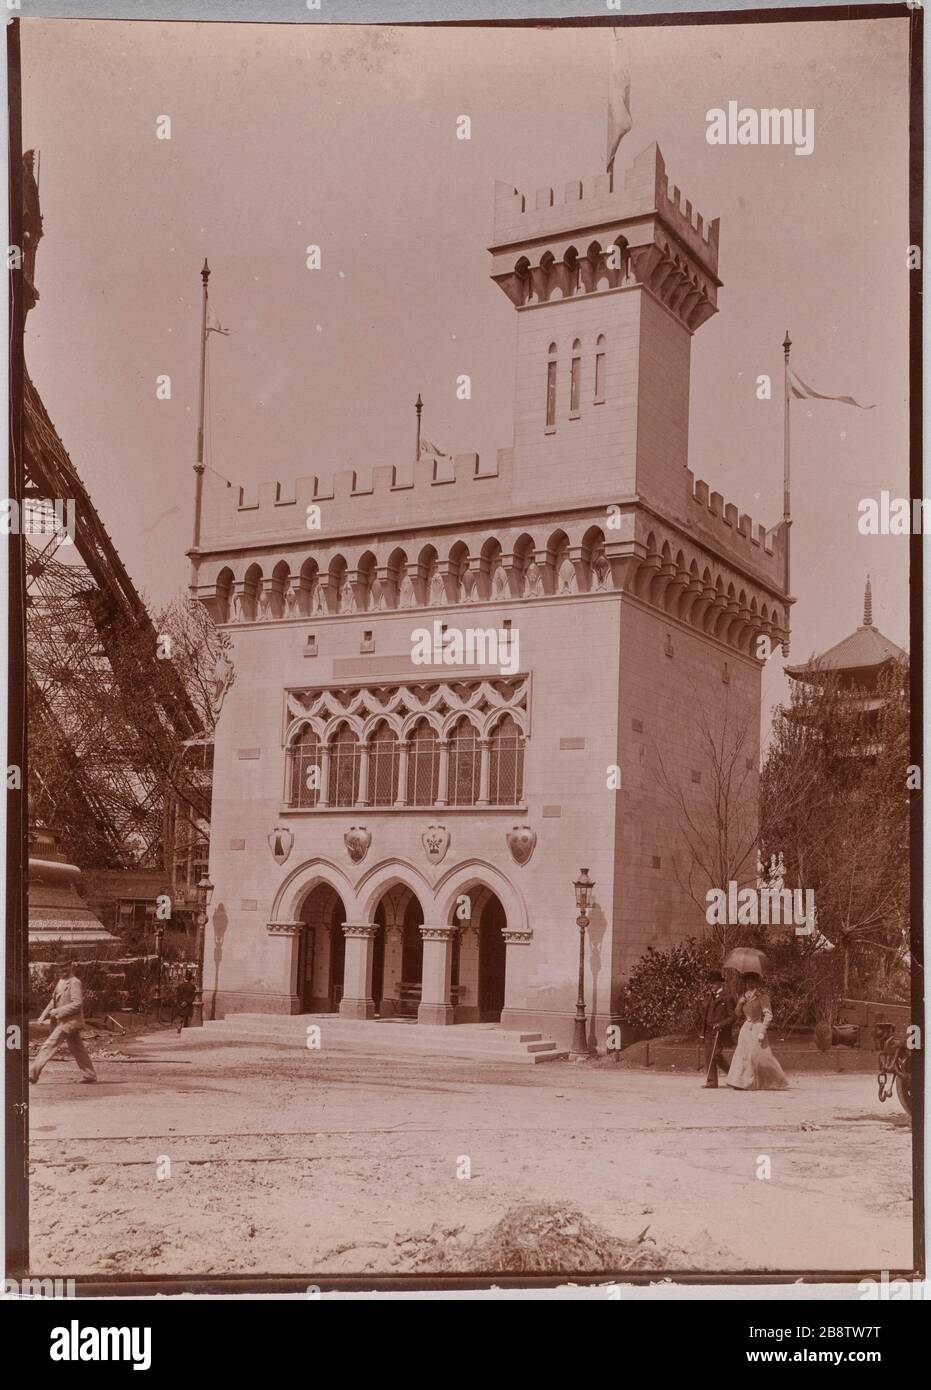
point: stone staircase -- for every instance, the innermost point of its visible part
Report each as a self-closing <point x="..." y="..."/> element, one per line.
<point x="480" y="1042"/>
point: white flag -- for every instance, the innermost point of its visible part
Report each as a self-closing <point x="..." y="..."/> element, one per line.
<point x="213" y="323"/>
<point x="803" y="392"/>
<point x="427" y="446"/>
<point x="619" y="118"/>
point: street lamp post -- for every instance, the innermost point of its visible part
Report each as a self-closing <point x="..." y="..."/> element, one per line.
<point x="583" y="886"/>
<point x="159" y="934"/>
<point x="204" y="894"/>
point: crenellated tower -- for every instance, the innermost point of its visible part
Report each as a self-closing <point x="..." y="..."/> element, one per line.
<point x="610" y="280"/>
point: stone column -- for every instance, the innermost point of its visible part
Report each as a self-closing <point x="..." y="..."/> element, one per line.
<point x="484" y="745"/>
<point x="362" y="797"/>
<point x="436" y="1005"/>
<point x="290" y="932"/>
<point x="441" y="799"/>
<point x="323" y="798"/>
<point x="401" y="798"/>
<point x="357" y="1001"/>
<point x="517" y="968"/>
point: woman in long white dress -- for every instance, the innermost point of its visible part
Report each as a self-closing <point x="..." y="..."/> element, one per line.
<point x="753" y="1066"/>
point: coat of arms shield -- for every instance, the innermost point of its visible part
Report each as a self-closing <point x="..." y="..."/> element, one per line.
<point x="281" y="842"/>
<point x="521" y="842"/>
<point x="357" y="840"/>
<point x="435" y="840"/>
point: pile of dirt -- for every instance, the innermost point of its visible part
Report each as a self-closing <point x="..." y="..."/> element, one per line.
<point x="536" y="1238"/>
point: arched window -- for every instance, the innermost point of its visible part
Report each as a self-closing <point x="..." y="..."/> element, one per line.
<point x="465" y="765"/>
<point x="551" y="388"/>
<point x="600" y="354"/>
<point x="575" y="379"/>
<point x="345" y="762"/>
<point x="384" y="759"/>
<point x="506" y="764"/>
<point x="303" y="756"/>
<point x="423" y="765"/>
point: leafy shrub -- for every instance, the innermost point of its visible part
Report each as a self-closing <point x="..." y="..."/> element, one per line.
<point x="667" y="989"/>
<point x="665" y="993"/>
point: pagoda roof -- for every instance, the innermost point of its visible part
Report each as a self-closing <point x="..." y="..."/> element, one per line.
<point x="865" y="650"/>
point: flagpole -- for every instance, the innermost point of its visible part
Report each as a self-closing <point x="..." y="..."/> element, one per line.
<point x="786" y="510"/>
<point x="418" y="406"/>
<point x="199" y="465"/>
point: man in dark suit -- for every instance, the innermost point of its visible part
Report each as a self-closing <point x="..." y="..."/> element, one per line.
<point x="717" y="1021"/>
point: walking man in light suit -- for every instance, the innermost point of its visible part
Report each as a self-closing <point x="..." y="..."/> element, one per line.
<point x="66" y="1008"/>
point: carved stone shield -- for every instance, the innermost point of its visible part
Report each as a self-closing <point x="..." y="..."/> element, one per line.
<point x="435" y="840"/>
<point x="357" y="840"/>
<point x="281" y="842"/>
<point x="521" y="842"/>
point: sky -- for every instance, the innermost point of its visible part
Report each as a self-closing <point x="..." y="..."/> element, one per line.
<point x="285" y="136"/>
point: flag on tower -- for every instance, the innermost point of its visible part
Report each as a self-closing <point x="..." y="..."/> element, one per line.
<point x="427" y="446"/>
<point x="213" y="323"/>
<point x="802" y="392"/>
<point x="619" y="118"/>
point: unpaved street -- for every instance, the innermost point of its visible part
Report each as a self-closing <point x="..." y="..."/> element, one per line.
<point x="279" y="1160"/>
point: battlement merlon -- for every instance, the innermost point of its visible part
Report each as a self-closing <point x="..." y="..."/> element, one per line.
<point x="711" y="518"/>
<point x="356" y="500"/>
<point x="635" y="198"/>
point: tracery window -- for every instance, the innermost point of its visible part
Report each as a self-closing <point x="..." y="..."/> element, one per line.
<point x="304" y="755"/>
<point x="366" y="761"/>
<point x="506" y="764"/>
<point x="384" y="761"/>
<point x="423" y="765"/>
<point x="465" y="765"/>
<point x="345" y="765"/>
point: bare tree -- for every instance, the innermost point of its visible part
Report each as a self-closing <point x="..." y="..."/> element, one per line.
<point x="718" y="816"/>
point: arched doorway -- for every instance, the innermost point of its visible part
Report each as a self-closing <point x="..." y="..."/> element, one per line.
<point x="397" y="953"/>
<point x="322" y="952"/>
<point x="479" y="957"/>
<point x="492" y="960"/>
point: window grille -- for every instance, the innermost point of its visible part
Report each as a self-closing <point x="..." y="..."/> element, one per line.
<point x="506" y="764"/>
<point x="423" y="766"/>
<point x="303" y="754"/>
<point x="345" y="763"/>
<point x="465" y="765"/>
<point x="384" y="759"/>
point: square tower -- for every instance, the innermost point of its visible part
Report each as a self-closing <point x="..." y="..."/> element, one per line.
<point x="610" y="281"/>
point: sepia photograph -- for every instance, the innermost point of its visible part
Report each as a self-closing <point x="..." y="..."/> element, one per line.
<point x="465" y="612"/>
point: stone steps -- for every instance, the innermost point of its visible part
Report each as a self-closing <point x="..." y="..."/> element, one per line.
<point x="474" y="1041"/>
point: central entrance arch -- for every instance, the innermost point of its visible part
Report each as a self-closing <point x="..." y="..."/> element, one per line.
<point x="397" y="953"/>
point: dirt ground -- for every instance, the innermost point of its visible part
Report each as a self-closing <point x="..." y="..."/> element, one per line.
<point x="230" y="1157"/>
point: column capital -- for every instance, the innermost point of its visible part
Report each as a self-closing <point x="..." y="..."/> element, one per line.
<point x="284" y="928"/>
<point x="360" y="929"/>
<point x="514" y="937"/>
<point x="442" y="931"/>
